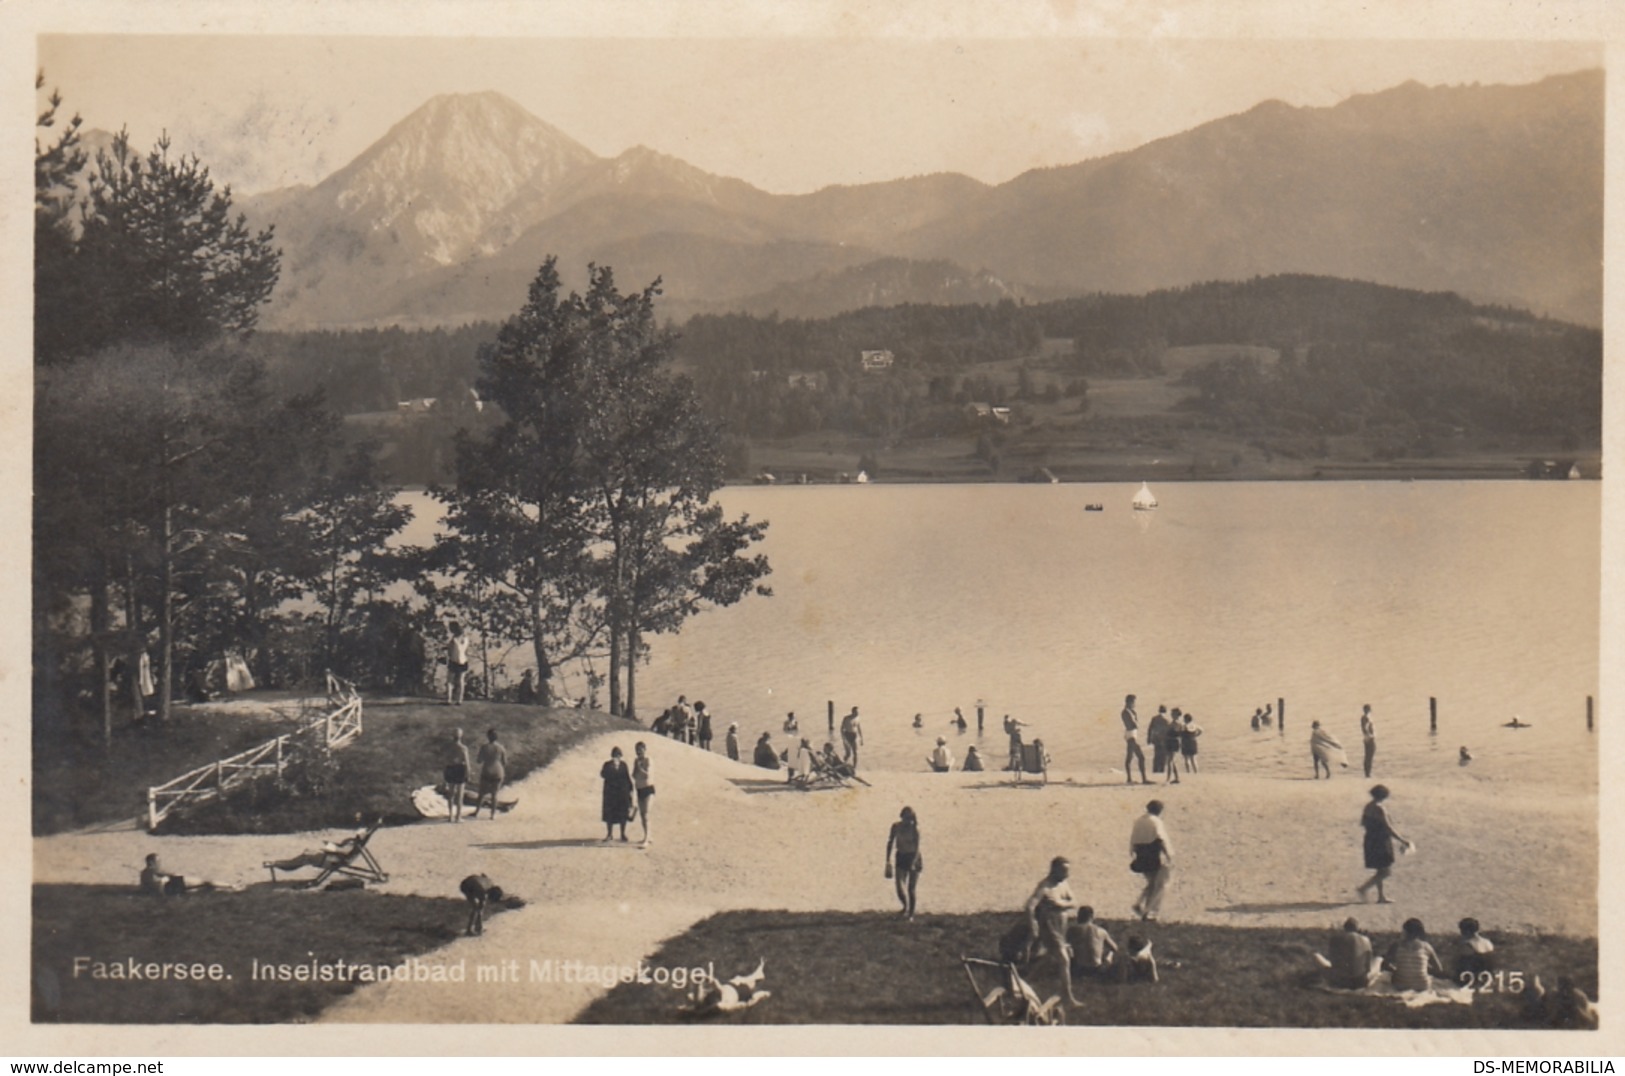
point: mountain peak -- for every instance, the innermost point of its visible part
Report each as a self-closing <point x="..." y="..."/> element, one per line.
<point x="436" y="179"/>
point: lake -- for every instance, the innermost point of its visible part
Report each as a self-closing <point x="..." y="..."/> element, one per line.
<point x="917" y="599"/>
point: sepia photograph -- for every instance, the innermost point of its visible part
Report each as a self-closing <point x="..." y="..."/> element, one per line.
<point x="814" y="524"/>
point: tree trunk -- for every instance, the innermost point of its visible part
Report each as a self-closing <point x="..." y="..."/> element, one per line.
<point x="98" y="632"/>
<point x="166" y="618"/>
<point x="633" y="638"/>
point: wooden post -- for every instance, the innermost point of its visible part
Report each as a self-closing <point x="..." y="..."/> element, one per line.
<point x="152" y="810"/>
<point x="1433" y="716"/>
<point x="832" y="715"/>
<point x="980" y="709"/>
<point x="1589" y="719"/>
<point x="279" y="763"/>
<point x="1280" y="714"/>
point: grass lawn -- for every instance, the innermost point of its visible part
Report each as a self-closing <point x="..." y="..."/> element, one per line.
<point x="79" y="782"/>
<point x="272" y="925"/>
<point x="873" y="968"/>
<point x="403" y="747"/>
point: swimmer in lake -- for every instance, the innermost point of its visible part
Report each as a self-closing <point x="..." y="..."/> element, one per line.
<point x="1516" y="723"/>
<point x="1466" y="756"/>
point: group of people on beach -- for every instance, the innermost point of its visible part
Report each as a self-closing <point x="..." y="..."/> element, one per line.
<point x="1172" y="737"/>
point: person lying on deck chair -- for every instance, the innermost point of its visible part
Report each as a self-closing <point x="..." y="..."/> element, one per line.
<point x="328" y="855"/>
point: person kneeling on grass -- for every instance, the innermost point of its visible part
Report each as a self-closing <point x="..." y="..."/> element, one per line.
<point x="1094" y="953"/>
<point x="1136" y="960"/>
<point x="709" y="997"/>
<point x="478" y="891"/>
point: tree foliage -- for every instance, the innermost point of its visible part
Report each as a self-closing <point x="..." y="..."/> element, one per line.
<point x="586" y="511"/>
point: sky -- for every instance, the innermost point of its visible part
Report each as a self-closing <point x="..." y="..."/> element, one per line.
<point x="788" y="114"/>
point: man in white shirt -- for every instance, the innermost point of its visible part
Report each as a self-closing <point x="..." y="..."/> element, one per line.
<point x="1153" y="852"/>
<point x="941" y="759"/>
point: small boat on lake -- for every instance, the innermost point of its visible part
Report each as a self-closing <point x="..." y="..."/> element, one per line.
<point x="1145" y="500"/>
<point x="1094" y="508"/>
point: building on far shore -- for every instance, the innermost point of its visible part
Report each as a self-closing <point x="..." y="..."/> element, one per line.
<point x="877" y="360"/>
<point x="1554" y="469"/>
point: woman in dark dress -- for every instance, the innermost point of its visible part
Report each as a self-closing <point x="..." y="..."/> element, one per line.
<point x="1380" y="836"/>
<point x="617" y="794"/>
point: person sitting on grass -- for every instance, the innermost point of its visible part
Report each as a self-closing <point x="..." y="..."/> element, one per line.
<point x="1412" y="959"/>
<point x="1094" y="953"/>
<point x="1136" y="960"/>
<point x="709" y="997"/>
<point x="1351" y="966"/>
<point x="330" y="854"/>
<point x="478" y="891"/>
<point x="1474" y="953"/>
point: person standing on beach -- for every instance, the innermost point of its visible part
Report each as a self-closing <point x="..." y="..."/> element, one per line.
<point x="617" y="797"/>
<point x="1187" y="742"/>
<point x="1156" y="731"/>
<point x="732" y="741"/>
<point x="456" y="776"/>
<point x="1153" y="857"/>
<point x="904" y="869"/>
<point x="702" y="720"/>
<point x="1380" y="836"/>
<point x="1131" y="741"/>
<point x="643" y="787"/>
<point x="456" y="663"/>
<point x="682" y="721"/>
<point x="851" y="738"/>
<point x="1012" y="728"/>
<point x="1049" y="911"/>
<point x="493" y="760"/>
<point x="1323" y="746"/>
<point x="1169" y="746"/>
<point x="1368" y="733"/>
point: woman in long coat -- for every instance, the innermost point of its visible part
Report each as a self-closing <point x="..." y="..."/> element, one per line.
<point x="617" y="794"/>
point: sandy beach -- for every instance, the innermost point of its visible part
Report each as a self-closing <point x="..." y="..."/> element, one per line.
<point x="1248" y="851"/>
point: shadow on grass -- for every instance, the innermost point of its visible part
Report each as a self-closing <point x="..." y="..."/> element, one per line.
<point x="240" y="933"/>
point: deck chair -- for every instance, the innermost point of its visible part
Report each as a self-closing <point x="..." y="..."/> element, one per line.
<point x="1007" y="998"/>
<point x="1034" y="759"/>
<point x="356" y="861"/>
<point x="837" y="773"/>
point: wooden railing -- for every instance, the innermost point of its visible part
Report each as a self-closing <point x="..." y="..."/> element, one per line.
<point x="338" y="724"/>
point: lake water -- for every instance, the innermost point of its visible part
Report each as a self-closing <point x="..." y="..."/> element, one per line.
<point x="905" y="599"/>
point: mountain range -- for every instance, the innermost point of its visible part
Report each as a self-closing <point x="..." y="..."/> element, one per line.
<point x="1495" y="192"/>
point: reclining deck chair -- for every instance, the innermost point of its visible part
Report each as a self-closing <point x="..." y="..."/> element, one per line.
<point x="351" y="858"/>
<point x="835" y="772"/>
<point x="1034" y="759"/>
<point x="1007" y="998"/>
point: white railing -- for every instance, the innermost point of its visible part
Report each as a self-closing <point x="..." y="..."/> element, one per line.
<point x="340" y="722"/>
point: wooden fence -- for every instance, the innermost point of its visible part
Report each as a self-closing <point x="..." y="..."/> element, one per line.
<point x="338" y="724"/>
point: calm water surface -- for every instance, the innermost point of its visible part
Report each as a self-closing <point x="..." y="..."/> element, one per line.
<point x="905" y="599"/>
